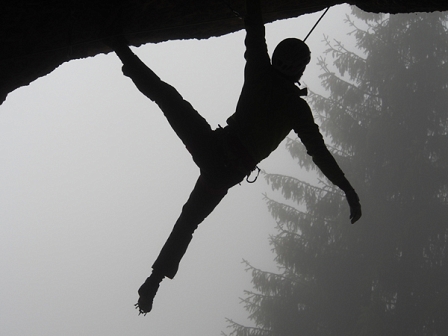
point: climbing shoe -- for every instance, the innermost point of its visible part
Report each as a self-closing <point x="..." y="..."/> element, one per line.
<point x="147" y="292"/>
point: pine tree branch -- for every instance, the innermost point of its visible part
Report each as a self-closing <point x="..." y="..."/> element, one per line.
<point x="289" y="208"/>
<point x="252" y="268"/>
<point x="339" y="151"/>
<point x="329" y="73"/>
<point x="241" y="330"/>
<point x="372" y="32"/>
<point x="355" y="115"/>
<point x="340" y="50"/>
<point x="270" y="176"/>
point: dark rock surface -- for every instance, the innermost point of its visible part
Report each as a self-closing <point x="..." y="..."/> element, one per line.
<point x="38" y="36"/>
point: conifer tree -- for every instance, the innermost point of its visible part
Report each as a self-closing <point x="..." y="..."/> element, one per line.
<point x="386" y="117"/>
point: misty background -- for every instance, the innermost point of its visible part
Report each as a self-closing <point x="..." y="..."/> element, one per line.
<point x="93" y="179"/>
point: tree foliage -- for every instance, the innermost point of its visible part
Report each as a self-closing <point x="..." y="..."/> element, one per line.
<point x="385" y="113"/>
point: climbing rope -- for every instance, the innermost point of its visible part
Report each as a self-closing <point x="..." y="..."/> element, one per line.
<point x="316" y="24"/>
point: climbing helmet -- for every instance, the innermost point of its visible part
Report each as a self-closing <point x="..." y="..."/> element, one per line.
<point x="291" y="56"/>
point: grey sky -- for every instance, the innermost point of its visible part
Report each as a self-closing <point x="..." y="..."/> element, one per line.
<point x="93" y="179"/>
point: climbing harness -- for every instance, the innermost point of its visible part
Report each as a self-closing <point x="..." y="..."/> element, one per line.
<point x="236" y="155"/>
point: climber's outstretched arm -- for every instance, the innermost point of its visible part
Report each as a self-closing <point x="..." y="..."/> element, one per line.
<point x="309" y="134"/>
<point x="355" y="206"/>
<point x="328" y="165"/>
<point x="256" y="54"/>
<point x="253" y="11"/>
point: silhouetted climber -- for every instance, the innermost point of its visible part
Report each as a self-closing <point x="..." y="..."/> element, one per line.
<point x="270" y="106"/>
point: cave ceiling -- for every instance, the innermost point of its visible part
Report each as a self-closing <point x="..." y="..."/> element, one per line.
<point x="38" y="36"/>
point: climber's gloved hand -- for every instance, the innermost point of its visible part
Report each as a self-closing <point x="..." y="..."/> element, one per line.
<point x="355" y="206"/>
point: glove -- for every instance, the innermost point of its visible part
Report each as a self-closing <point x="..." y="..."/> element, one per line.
<point x="355" y="206"/>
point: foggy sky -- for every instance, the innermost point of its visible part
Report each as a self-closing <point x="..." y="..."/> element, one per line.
<point x="93" y="179"/>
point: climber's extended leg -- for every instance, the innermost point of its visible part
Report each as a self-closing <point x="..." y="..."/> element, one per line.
<point x="189" y="125"/>
<point x="202" y="201"/>
<point x="208" y="192"/>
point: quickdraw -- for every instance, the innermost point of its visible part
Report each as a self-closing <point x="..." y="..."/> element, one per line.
<point x="256" y="177"/>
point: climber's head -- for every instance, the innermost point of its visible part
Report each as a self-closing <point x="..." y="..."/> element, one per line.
<point x="290" y="58"/>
